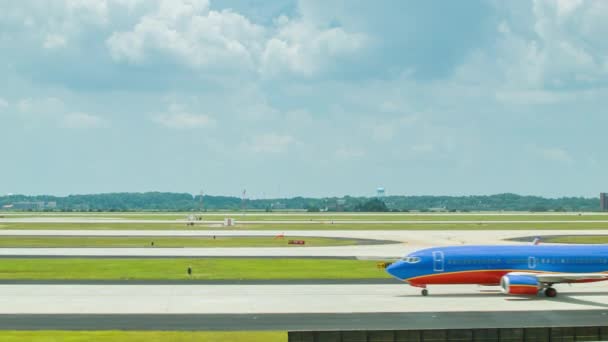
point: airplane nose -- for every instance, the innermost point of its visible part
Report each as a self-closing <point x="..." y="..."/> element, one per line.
<point x="394" y="268"/>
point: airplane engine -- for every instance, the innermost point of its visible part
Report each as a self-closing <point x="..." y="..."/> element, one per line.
<point x="519" y="284"/>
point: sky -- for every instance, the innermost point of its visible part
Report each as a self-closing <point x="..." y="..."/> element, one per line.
<point x="304" y="98"/>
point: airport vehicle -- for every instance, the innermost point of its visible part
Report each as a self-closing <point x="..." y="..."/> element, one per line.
<point x="519" y="269"/>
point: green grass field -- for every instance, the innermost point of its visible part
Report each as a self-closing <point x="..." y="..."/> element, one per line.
<point x="591" y="239"/>
<point x="175" y="269"/>
<point x="142" y="336"/>
<point x="160" y="242"/>
<point x="317" y="226"/>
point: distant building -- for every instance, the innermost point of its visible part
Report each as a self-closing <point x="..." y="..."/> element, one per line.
<point x="278" y="206"/>
<point x="28" y="205"/>
<point x="380" y="192"/>
<point x="603" y="201"/>
<point x="340" y="204"/>
<point x="334" y="204"/>
<point x="32" y="206"/>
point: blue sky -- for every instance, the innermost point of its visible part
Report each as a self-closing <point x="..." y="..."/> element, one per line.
<point x="312" y="98"/>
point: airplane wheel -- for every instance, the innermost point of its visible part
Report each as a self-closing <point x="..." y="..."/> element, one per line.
<point x="425" y="292"/>
<point x="550" y="292"/>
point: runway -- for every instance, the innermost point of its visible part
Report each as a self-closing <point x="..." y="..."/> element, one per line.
<point x="294" y="307"/>
<point x="423" y="238"/>
<point x="281" y="299"/>
<point x="304" y="322"/>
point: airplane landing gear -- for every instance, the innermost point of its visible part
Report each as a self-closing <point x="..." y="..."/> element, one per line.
<point x="424" y="292"/>
<point x="550" y="292"/>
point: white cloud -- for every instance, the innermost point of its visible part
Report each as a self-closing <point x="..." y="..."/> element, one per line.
<point x="544" y="52"/>
<point x="300" y="117"/>
<point x="45" y="111"/>
<point x="24" y="105"/>
<point x="562" y="46"/>
<point x="300" y="47"/>
<point x="422" y="148"/>
<point x="184" y="120"/>
<point x="565" y="7"/>
<point x="96" y="8"/>
<point x="178" y="118"/>
<point x="523" y="97"/>
<point x="184" y="33"/>
<point x="350" y="153"/>
<point x="54" y="41"/>
<point x="40" y="106"/>
<point x="271" y="143"/>
<point x="408" y="120"/>
<point x="82" y="120"/>
<point x="257" y="111"/>
<point x="554" y="154"/>
<point x="51" y="24"/>
<point x="3" y="104"/>
<point x="192" y="34"/>
<point x="383" y="132"/>
<point x="389" y="129"/>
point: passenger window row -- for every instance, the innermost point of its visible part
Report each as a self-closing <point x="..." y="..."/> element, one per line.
<point x="578" y="261"/>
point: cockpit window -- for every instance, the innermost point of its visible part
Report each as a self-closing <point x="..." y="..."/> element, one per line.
<point x="411" y="260"/>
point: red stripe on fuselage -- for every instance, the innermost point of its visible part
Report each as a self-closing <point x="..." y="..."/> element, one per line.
<point x="478" y="277"/>
<point x="484" y="277"/>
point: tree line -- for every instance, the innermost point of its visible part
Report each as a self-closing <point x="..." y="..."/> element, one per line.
<point x="165" y="201"/>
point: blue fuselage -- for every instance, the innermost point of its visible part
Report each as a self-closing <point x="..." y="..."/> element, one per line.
<point x="485" y="265"/>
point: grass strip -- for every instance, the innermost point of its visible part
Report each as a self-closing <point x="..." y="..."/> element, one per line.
<point x="172" y="269"/>
<point x="159" y="242"/>
<point x="142" y="336"/>
<point x="589" y="239"/>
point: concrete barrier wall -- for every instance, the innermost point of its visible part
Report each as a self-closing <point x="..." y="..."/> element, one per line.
<point x="561" y="334"/>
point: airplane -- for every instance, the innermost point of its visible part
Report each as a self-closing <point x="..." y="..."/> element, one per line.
<point x="518" y="269"/>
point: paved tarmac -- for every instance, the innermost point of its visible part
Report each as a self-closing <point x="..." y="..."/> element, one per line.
<point x="411" y="237"/>
<point x="294" y="307"/>
<point x="273" y="299"/>
<point x="302" y="322"/>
